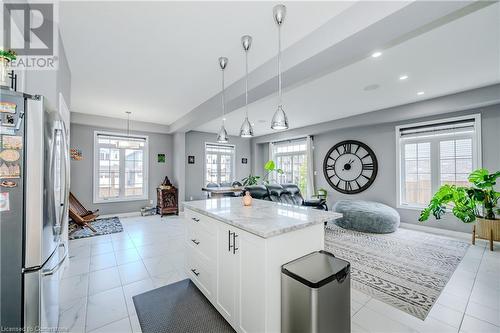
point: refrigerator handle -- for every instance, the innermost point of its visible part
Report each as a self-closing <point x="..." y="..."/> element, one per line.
<point x="56" y="267"/>
<point x="66" y="171"/>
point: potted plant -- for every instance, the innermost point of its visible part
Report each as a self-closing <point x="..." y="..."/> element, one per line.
<point x="270" y="167"/>
<point x="6" y="56"/>
<point x="469" y="204"/>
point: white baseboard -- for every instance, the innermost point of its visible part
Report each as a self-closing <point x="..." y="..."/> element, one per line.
<point x="437" y="231"/>
<point x="129" y="214"/>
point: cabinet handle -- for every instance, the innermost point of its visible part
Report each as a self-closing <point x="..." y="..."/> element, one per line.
<point x="195" y="272"/>
<point x="229" y="233"/>
<point x="195" y="219"/>
<point x="195" y="241"/>
<point x="234" y="242"/>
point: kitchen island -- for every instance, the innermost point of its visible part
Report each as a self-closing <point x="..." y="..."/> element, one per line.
<point x="235" y="255"/>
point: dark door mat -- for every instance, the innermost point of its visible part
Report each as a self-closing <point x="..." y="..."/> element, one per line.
<point x="178" y="307"/>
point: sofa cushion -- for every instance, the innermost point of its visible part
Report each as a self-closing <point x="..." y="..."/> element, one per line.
<point x="258" y="192"/>
<point x="367" y="216"/>
<point x="294" y="197"/>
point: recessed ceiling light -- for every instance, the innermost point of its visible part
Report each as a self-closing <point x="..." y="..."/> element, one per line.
<point x="376" y="54"/>
<point x="420" y="93"/>
<point x="403" y="77"/>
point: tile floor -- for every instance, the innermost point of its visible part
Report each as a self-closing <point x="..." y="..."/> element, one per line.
<point x="106" y="271"/>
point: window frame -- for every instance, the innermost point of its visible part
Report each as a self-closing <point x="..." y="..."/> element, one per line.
<point x="291" y="155"/>
<point x="435" y="153"/>
<point x="95" y="171"/>
<point x="233" y="166"/>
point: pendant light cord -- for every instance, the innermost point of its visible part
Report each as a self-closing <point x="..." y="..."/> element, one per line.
<point x="223" y="99"/>
<point x="279" y="65"/>
<point x="246" y="83"/>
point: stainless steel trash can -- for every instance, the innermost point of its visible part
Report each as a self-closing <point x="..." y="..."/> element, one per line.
<point x="316" y="294"/>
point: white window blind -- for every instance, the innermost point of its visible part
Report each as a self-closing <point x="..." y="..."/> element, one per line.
<point x="436" y="153"/>
<point x="219" y="164"/>
<point x="120" y="167"/>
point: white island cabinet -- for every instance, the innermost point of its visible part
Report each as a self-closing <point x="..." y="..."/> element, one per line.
<point x="235" y="255"/>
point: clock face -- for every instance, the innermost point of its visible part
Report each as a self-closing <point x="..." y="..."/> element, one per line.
<point x="350" y="167"/>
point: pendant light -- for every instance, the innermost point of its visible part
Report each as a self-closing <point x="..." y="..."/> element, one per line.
<point x="280" y="121"/>
<point x="246" y="130"/>
<point x="222" y="135"/>
<point x="130" y="142"/>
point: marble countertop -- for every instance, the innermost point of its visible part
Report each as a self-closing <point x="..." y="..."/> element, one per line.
<point x="263" y="218"/>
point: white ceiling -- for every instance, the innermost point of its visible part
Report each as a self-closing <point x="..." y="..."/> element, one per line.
<point x="461" y="55"/>
<point x="159" y="59"/>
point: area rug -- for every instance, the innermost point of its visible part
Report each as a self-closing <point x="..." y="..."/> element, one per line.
<point x="105" y="226"/>
<point x="178" y="307"/>
<point x="407" y="269"/>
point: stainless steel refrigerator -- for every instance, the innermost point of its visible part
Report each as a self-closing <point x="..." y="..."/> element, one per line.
<point x="34" y="161"/>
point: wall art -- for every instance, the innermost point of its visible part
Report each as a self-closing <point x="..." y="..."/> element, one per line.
<point x="76" y="154"/>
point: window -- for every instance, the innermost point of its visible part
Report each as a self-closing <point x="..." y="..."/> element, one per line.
<point x="120" y="167"/>
<point x="435" y="153"/>
<point x="291" y="157"/>
<point x="219" y="163"/>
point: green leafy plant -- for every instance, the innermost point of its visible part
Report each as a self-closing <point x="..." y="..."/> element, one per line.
<point x="250" y="180"/>
<point x="466" y="203"/>
<point x="8" y="54"/>
<point x="270" y="167"/>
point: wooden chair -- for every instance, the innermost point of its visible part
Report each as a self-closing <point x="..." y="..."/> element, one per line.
<point x="79" y="214"/>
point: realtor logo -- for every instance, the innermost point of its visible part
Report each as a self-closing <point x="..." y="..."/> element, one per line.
<point x="29" y="30"/>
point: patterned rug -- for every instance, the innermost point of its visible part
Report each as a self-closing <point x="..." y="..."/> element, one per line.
<point x="407" y="269"/>
<point x="105" y="226"/>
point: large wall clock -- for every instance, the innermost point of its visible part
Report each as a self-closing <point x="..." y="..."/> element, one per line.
<point x="350" y="167"/>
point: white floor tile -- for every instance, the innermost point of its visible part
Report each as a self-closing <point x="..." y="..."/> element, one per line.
<point x="102" y="261"/>
<point x="101" y="248"/>
<point x="77" y="267"/>
<point x="372" y="321"/>
<point x="473" y="325"/>
<point x="154" y="250"/>
<point x="105" y="308"/>
<point x="132" y="272"/>
<point x="103" y="280"/>
<point x="72" y="316"/>
<point x="136" y="326"/>
<point x="446" y="315"/>
<point x="484" y="313"/>
<point x="123" y="244"/>
<point x="120" y="326"/>
<point x="168" y="278"/>
<point x="126" y="256"/>
<point x="73" y="287"/>
<point x="158" y="266"/>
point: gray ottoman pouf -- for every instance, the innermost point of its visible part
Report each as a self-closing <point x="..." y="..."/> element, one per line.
<point x="366" y="216"/>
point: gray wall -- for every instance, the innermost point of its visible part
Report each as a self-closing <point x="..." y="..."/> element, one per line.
<point x="381" y="138"/>
<point x="195" y="146"/>
<point x="179" y="178"/>
<point x="82" y="137"/>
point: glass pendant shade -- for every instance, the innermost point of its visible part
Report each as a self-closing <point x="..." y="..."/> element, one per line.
<point x="222" y="135"/>
<point x="246" y="130"/>
<point x="280" y="120"/>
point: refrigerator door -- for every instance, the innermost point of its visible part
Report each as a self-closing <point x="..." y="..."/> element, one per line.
<point x="12" y="146"/>
<point x="41" y="294"/>
<point x="47" y="182"/>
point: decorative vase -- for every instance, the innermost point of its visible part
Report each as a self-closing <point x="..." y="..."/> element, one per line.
<point x="4" y="71"/>
<point x="247" y="199"/>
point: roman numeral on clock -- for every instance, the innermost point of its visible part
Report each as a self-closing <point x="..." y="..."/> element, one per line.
<point x="347" y="148"/>
<point x="368" y="166"/>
